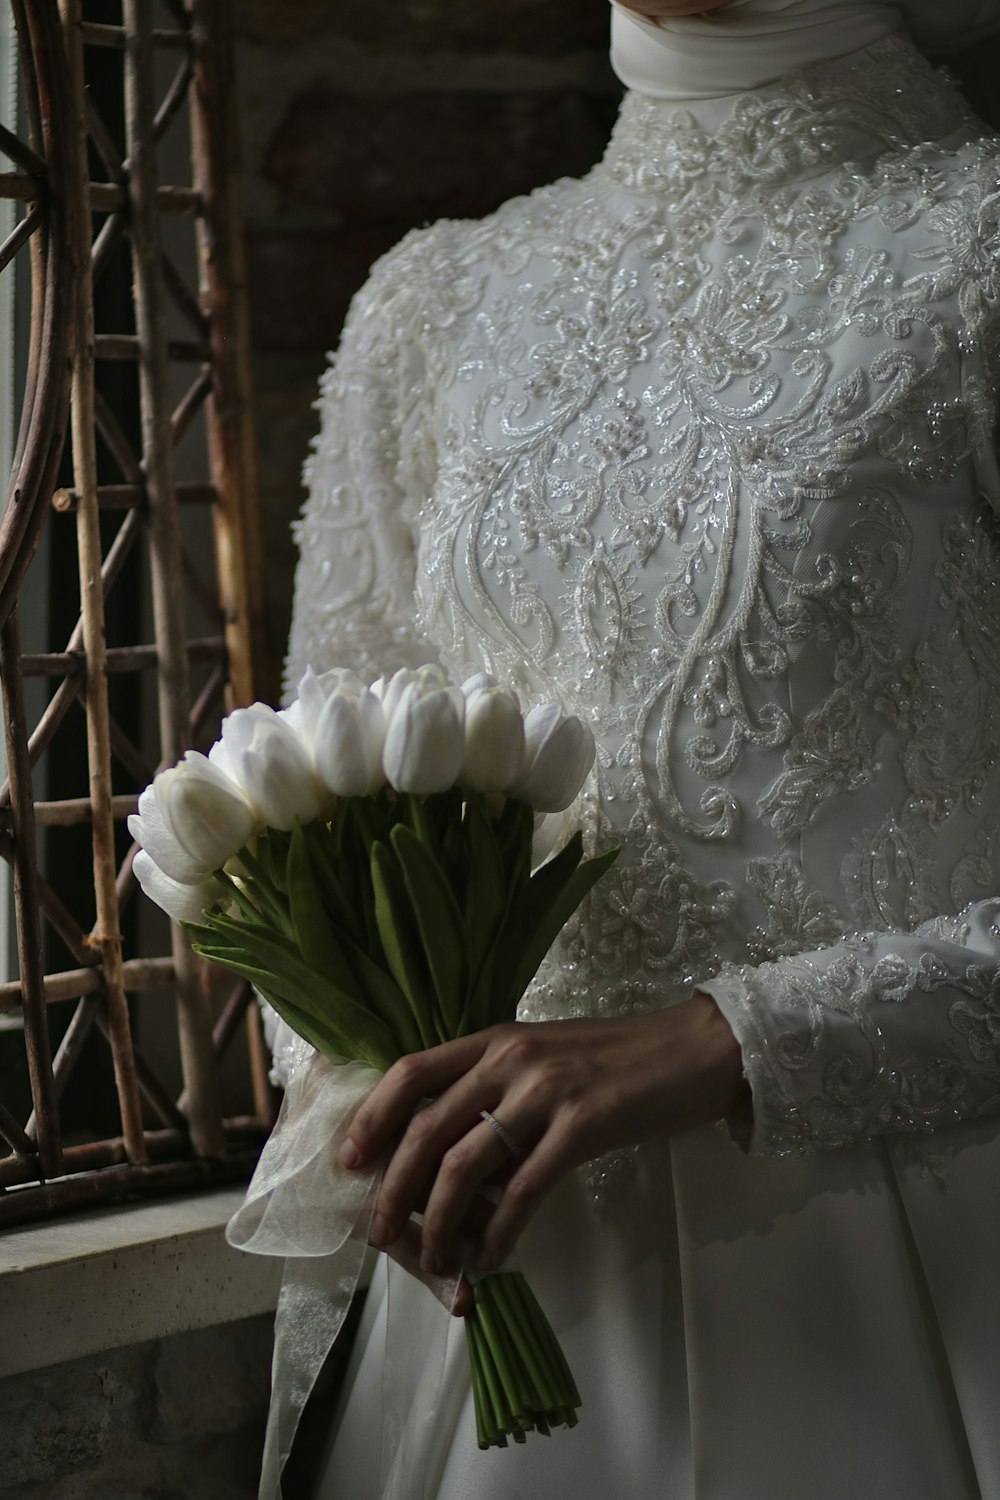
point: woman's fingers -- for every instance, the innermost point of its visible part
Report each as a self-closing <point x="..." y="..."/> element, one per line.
<point x="480" y="1156"/>
<point x="443" y="1139"/>
<point x="565" y="1091"/>
<point x="536" y="1176"/>
<point x="421" y="1075"/>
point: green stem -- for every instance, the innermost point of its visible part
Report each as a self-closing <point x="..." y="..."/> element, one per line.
<point x="513" y="1377"/>
<point x="484" y="1431"/>
<point x="422" y="823"/>
<point x="268" y="893"/>
<point x="540" y="1322"/>
<point x="525" y="1337"/>
<point x="240" y="895"/>
<point x="494" y="1413"/>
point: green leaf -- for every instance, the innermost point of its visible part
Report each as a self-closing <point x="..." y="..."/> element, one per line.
<point x="455" y="857"/>
<point x="481" y="1007"/>
<point x="486" y="897"/>
<point x="371" y="818"/>
<point x="557" y="896"/>
<point x="235" y="930"/>
<point x="445" y="809"/>
<point x="242" y="893"/>
<point x="550" y="878"/>
<point x="264" y="891"/>
<point x="439" y="921"/>
<point x="271" y="854"/>
<point x="317" y="994"/>
<point x="314" y="931"/>
<point x="417" y="814"/>
<point x="331" y="873"/>
<point x="268" y="982"/>
<point x="363" y="820"/>
<point x="199" y="932"/>
<point x="386" y="1000"/>
<point x="489" y="1002"/>
<point x="515" y="830"/>
<point x="318" y="1030"/>
<point x="401" y="941"/>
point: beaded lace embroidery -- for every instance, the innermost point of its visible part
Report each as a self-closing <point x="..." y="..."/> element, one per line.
<point x="702" y="446"/>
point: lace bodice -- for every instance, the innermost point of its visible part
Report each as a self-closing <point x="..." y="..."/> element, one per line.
<point x="703" y="445"/>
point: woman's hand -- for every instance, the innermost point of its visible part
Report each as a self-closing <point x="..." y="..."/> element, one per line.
<point x="564" y="1092"/>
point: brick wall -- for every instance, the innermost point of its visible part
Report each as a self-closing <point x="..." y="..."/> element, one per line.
<point x="363" y="118"/>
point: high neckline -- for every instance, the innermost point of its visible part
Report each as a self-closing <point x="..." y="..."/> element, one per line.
<point x="750" y="43"/>
<point x="754" y="43"/>
<point x="851" y="108"/>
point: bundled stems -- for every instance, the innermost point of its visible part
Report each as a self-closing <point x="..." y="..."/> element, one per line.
<point x="520" y="1379"/>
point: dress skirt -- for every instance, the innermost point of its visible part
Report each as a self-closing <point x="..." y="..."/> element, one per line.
<point x="710" y="1367"/>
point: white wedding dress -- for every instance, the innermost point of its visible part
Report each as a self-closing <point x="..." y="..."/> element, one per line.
<point x="703" y="446"/>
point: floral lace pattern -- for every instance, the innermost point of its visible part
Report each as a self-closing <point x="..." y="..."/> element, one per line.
<point x="828" y="1038"/>
<point x="702" y="446"/>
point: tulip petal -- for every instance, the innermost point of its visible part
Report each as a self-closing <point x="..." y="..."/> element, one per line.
<point x="273" y="766"/>
<point x="425" y="739"/>
<point x="348" y="749"/>
<point x="494" y="736"/>
<point x="204" y="810"/>
<point x="182" y="903"/>
<point x="558" y="754"/>
<point x="150" y="830"/>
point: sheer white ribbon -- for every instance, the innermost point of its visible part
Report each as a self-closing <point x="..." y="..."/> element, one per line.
<point x="299" y="1207"/>
<point x="303" y="1208"/>
<point x="749" y="43"/>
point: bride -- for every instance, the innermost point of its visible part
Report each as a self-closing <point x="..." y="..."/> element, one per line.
<point x="703" y="445"/>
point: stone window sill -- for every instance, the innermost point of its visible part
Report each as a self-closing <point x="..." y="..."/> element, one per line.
<point x="91" y="1282"/>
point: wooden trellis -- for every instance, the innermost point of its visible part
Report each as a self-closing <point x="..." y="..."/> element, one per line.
<point x="164" y="1142"/>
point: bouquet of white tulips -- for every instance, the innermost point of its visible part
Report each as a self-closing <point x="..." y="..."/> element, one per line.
<point x="365" y="858"/>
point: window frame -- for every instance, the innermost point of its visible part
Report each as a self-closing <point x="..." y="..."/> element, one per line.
<point x="165" y="1140"/>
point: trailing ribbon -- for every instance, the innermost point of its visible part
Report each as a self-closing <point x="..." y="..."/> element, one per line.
<point x="301" y="1207"/>
<point x="304" y="1208"/>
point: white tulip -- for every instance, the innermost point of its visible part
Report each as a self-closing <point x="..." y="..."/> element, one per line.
<point x="425" y="736"/>
<point x="558" y="754"/>
<point x="271" y="765"/>
<point x="389" y="690"/>
<point x="494" y="735"/>
<point x="312" y="693"/>
<point x="205" y="811"/>
<point x="150" y="830"/>
<point x="479" y="680"/>
<point x="553" y="832"/>
<point x="342" y="725"/>
<point x="183" y="903"/>
<point x="350" y="735"/>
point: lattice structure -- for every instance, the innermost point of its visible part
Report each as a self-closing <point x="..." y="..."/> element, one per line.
<point x="74" y="225"/>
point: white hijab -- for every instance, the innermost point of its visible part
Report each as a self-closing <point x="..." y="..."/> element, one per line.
<point x="748" y="43"/>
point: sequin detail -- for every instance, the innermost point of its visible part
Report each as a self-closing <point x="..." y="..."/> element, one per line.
<point x="702" y="445"/>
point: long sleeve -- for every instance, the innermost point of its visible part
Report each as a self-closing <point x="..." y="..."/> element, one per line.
<point x="877" y="1034"/>
<point x="354" y="585"/>
<point x="893" y="1028"/>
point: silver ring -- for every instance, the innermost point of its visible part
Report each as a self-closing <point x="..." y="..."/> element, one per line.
<point x="515" y="1150"/>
